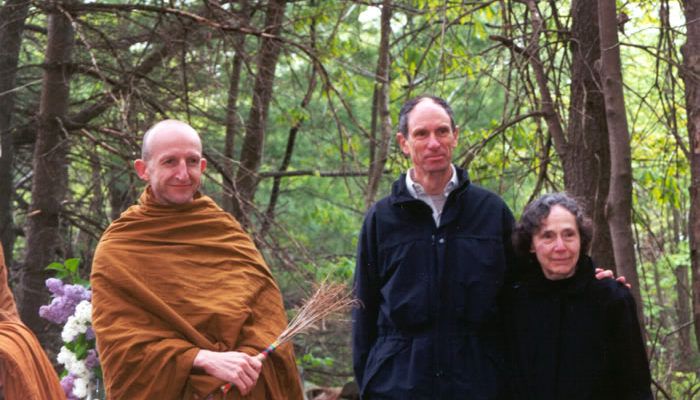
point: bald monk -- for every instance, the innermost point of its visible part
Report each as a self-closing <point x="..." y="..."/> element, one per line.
<point x="182" y="299"/>
<point x="25" y="371"/>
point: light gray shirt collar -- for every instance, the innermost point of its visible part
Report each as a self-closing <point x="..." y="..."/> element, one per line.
<point x="436" y="202"/>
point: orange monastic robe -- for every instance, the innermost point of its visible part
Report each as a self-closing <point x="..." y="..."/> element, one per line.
<point x="25" y="371"/>
<point x="8" y="309"/>
<point x="169" y="280"/>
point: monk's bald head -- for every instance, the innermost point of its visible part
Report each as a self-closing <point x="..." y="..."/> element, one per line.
<point x="171" y="161"/>
<point x="165" y="127"/>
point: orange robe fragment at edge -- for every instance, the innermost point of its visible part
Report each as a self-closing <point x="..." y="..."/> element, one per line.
<point x="169" y="280"/>
<point x="25" y="371"/>
<point x="8" y="309"/>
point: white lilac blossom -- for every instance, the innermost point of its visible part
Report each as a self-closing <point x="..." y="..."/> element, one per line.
<point x="73" y="365"/>
<point x="80" y="388"/>
<point x="81" y="375"/>
<point x="79" y="369"/>
<point x="65" y="356"/>
<point x="78" y="322"/>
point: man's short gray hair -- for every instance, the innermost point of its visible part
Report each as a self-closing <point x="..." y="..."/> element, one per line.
<point x="410" y="104"/>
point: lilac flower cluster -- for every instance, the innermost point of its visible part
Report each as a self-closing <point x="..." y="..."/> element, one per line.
<point x="71" y="307"/>
<point x="92" y="359"/>
<point x="67" y="383"/>
<point x="66" y="299"/>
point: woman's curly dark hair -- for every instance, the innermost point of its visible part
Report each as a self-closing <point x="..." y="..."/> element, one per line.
<point x="535" y="212"/>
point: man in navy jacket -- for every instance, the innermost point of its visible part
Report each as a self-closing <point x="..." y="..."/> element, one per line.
<point x="431" y="262"/>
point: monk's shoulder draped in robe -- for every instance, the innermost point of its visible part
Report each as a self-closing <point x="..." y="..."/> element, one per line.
<point x="169" y="280"/>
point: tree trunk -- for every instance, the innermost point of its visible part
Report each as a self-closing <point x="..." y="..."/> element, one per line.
<point x="376" y="167"/>
<point x="584" y="150"/>
<point x="232" y="127"/>
<point x="664" y="314"/>
<point x="619" y="204"/>
<point x="233" y="118"/>
<point x="119" y="196"/>
<point x="587" y="162"/>
<point x="685" y="349"/>
<point x="43" y="243"/>
<point x="253" y="144"/>
<point x="12" y="15"/>
<point x="690" y="72"/>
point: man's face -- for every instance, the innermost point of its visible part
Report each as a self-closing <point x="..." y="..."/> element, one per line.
<point x="430" y="140"/>
<point x="176" y="164"/>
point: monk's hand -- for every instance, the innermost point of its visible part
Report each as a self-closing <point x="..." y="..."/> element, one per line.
<point x="606" y="273"/>
<point x="232" y="366"/>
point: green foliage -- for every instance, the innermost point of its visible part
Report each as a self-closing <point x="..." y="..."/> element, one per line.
<point x="80" y="346"/>
<point x="308" y="360"/>
<point x="69" y="269"/>
<point x="341" y="269"/>
<point x="666" y="266"/>
<point x="678" y="385"/>
<point x="686" y="385"/>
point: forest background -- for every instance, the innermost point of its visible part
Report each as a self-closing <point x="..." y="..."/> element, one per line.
<point x="296" y="103"/>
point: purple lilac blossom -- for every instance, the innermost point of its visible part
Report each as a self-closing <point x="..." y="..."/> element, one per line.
<point x="58" y="311"/>
<point x="67" y="385"/>
<point x="77" y="293"/>
<point x="90" y="333"/>
<point x="63" y="305"/>
<point x="92" y="359"/>
<point x="55" y="286"/>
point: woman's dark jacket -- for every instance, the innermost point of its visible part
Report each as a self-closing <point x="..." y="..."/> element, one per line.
<point x="576" y="338"/>
<point x="430" y="295"/>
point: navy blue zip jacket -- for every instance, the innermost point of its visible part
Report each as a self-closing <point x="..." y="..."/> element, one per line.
<point x="573" y="339"/>
<point x="428" y="328"/>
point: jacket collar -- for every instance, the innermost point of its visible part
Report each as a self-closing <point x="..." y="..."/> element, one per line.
<point x="573" y="285"/>
<point x="400" y="193"/>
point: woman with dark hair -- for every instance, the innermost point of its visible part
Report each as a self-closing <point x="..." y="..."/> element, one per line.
<point x="568" y="335"/>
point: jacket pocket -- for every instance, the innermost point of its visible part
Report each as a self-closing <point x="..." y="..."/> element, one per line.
<point x="383" y="354"/>
<point x="406" y="285"/>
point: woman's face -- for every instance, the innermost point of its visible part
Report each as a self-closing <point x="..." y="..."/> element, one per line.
<point x="557" y="244"/>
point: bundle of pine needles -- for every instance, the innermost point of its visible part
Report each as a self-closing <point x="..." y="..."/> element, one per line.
<point x="329" y="298"/>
